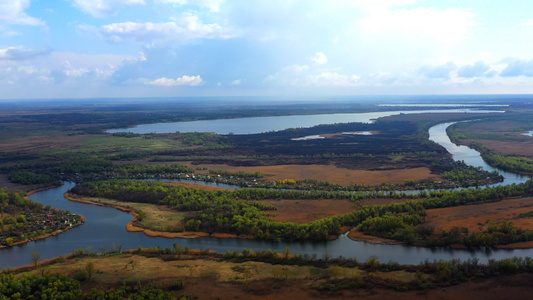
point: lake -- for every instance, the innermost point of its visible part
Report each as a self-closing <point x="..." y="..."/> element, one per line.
<point x="266" y="124"/>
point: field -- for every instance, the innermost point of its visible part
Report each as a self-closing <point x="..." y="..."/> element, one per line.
<point x="331" y="173"/>
<point x="206" y="277"/>
<point x="303" y="211"/>
<point x="476" y="217"/>
<point x="502" y="136"/>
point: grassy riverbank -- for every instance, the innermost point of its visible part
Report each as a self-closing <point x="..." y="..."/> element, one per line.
<point x="177" y="273"/>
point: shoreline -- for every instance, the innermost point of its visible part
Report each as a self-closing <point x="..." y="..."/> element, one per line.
<point x="40" y="237"/>
<point x="131" y="227"/>
<point x="356" y="235"/>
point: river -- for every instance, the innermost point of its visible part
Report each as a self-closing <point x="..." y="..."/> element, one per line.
<point x="105" y="228"/>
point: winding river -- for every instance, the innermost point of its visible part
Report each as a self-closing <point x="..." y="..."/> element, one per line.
<point x="105" y="228"/>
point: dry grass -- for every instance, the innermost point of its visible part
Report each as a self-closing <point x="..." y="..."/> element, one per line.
<point x="157" y="217"/>
<point x="331" y="173"/>
<point x="505" y="139"/>
<point x="266" y="281"/>
<point x="303" y="211"/>
<point x="475" y="217"/>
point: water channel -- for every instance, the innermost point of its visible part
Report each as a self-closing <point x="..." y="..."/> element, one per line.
<point x="105" y="228"/>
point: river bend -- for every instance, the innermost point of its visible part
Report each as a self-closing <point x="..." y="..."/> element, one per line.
<point x="105" y="228"/>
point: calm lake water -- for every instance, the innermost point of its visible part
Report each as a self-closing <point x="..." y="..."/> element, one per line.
<point x="266" y="124"/>
<point x="105" y="228"/>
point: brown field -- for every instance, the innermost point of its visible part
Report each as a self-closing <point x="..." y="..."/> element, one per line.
<point x="194" y="186"/>
<point x="331" y="173"/>
<point x="507" y="147"/>
<point x="267" y="281"/>
<point x="507" y="140"/>
<point x="11" y="187"/>
<point x="303" y="211"/>
<point x="475" y="217"/>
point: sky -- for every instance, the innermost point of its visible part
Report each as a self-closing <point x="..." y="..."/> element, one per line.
<point x="182" y="48"/>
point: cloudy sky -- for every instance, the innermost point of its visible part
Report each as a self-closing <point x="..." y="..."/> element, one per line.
<point x="143" y="48"/>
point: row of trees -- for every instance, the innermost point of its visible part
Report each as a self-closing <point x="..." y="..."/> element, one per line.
<point x="226" y="211"/>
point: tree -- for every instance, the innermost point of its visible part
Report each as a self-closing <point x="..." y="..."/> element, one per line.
<point x="90" y="270"/>
<point x="35" y="257"/>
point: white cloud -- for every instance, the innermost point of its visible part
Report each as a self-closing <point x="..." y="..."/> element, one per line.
<point x="20" y="53"/>
<point x="438" y="72"/>
<point x="295" y="68"/>
<point x="446" y="26"/>
<point x="212" y="5"/>
<point x="184" y="80"/>
<point x="12" y="12"/>
<point x="153" y="34"/>
<point x="518" y="67"/>
<point x="236" y="82"/>
<point x="319" y="58"/>
<point x="332" y="79"/>
<point x="378" y="3"/>
<point x="527" y="23"/>
<point x="478" y="69"/>
<point x="103" y="8"/>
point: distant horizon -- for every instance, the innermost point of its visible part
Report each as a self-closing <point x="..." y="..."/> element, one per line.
<point x="274" y="98"/>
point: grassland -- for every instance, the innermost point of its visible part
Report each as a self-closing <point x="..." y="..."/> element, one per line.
<point x="204" y="275"/>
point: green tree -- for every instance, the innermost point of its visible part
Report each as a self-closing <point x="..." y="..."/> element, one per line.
<point x="90" y="270"/>
<point x="35" y="257"/>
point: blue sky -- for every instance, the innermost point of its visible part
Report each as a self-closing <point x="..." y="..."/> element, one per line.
<point x="159" y="48"/>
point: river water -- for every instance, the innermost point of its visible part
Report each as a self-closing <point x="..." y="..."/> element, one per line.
<point x="105" y="228"/>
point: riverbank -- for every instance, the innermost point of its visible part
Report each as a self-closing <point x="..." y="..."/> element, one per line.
<point x="40" y="237"/>
<point x="132" y="226"/>
<point x="357" y="235"/>
<point x="264" y="275"/>
<point x="53" y="233"/>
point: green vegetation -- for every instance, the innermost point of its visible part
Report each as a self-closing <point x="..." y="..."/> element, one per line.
<point x="511" y="163"/>
<point x="27" y="178"/>
<point x="22" y="219"/>
<point x="515" y="123"/>
<point x="50" y="286"/>
<point x="244" y="271"/>
<point x="496" y="234"/>
<point x="234" y="212"/>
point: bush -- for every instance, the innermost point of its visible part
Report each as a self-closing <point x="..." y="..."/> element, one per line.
<point x="210" y="274"/>
<point x="177" y="285"/>
<point x="80" y="275"/>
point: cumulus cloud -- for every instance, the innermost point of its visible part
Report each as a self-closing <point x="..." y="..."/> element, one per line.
<point x="236" y="82"/>
<point x="478" y="69"/>
<point x="20" y="53"/>
<point x="103" y="8"/>
<point x="332" y="79"/>
<point x="184" y="80"/>
<point x="152" y="34"/>
<point x="12" y="12"/>
<point x="295" y="68"/>
<point x="319" y="58"/>
<point x="445" y="26"/>
<point x="517" y="68"/>
<point x="212" y="5"/>
<point x="440" y="71"/>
